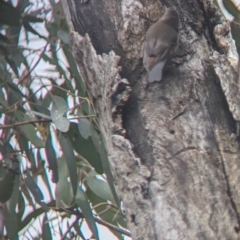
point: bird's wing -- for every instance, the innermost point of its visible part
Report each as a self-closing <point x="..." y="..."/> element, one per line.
<point x="158" y="48"/>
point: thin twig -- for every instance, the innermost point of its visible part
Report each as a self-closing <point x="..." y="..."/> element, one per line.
<point x="79" y="117"/>
<point x="115" y="228"/>
<point x="34" y="66"/>
<point x="235" y="22"/>
<point x="24" y="123"/>
<point x="21" y="102"/>
<point x="34" y="93"/>
<point x="39" y="121"/>
<point x="68" y="91"/>
<point x="68" y="230"/>
<point x="98" y="220"/>
<point x="109" y="205"/>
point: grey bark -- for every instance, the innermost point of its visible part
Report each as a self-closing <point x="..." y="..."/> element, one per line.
<point x="173" y="146"/>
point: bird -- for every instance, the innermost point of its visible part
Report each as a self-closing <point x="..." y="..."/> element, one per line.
<point x="160" y="39"/>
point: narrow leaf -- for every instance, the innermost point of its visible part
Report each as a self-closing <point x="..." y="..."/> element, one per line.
<point x="11" y="222"/>
<point x="12" y="64"/>
<point x="74" y="71"/>
<point x="35" y="190"/>
<point x="63" y="36"/>
<point x="6" y="186"/>
<point x="107" y="212"/>
<point x="77" y="228"/>
<point x="9" y="15"/>
<point x="3" y="101"/>
<point x="28" y="130"/>
<point x="21" y="206"/>
<point x="70" y="160"/>
<point x="63" y="190"/>
<point x="31" y="18"/>
<point x="46" y="232"/>
<point x="84" y="127"/>
<point x="52" y="159"/>
<point x="30" y="217"/>
<point x="99" y="187"/>
<point x="85" y="147"/>
<point x="107" y="170"/>
<point x="29" y="28"/>
<point x="40" y="114"/>
<point x="46" y="58"/>
<point x="83" y="203"/>
<point x="59" y="108"/>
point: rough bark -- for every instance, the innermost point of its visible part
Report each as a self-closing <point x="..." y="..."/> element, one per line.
<point x="172" y="145"/>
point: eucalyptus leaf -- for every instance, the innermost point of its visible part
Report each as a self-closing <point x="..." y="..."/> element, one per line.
<point x="74" y="71"/>
<point x="35" y="190"/>
<point x="77" y="228"/>
<point x="85" y="147"/>
<point x="32" y="18"/>
<point x="63" y="36"/>
<point x="45" y="179"/>
<point x="70" y="159"/>
<point x="82" y="202"/>
<point x="3" y="101"/>
<point x="99" y="187"/>
<point x="98" y="143"/>
<point x="48" y="59"/>
<point x="107" y="212"/>
<point x="84" y="127"/>
<point x="40" y="114"/>
<point x="27" y="195"/>
<point x="52" y="159"/>
<point x="13" y="97"/>
<point x="10" y="221"/>
<point x="29" y="28"/>
<point x="28" y="130"/>
<point x="23" y="142"/>
<point x="38" y="106"/>
<point x="59" y="108"/>
<point x="62" y="124"/>
<point x="9" y="14"/>
<point x="32" y="215"/>
<point x="6" y="186"/>
<point x="63" y="190"/>
<point x="12" y="64"/>
<point x="21" y="206"/>
<point x="46" y="232"/>
<point x="9" y="209"/>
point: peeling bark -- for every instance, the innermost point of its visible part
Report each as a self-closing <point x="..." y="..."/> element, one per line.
<point x="172" y="145"/>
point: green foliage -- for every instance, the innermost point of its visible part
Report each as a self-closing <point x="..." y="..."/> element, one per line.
<point x="50" y="132"/>
<point x="6" y="186"/>
<point x="59" y="108"/>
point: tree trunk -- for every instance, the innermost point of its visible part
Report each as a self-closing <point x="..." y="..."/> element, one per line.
<point x="172" y="145"/>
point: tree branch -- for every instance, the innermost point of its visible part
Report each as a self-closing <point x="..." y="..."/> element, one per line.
<point x="68" y="230"/>
<point x="98" y="220"/>
<point x="24" y="123"/>
<point x="109" y="225"/>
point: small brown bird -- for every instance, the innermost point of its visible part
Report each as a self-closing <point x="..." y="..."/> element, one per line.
<point x="159" y="41"/>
